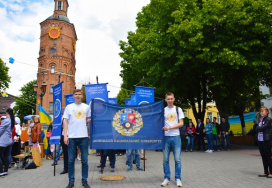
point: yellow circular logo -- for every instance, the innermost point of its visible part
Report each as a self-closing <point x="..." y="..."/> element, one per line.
<point x="79" y="114"/>
<point x="54" y="33"/>
<point x="171" y="117"/>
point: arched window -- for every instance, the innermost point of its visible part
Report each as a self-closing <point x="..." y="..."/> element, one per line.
<point x="59" y="5"/>
<point x="52" y="69"/>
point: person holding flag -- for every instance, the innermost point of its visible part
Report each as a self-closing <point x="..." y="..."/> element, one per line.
<point x="76" y="116"/>
<point x="173" y="121"/>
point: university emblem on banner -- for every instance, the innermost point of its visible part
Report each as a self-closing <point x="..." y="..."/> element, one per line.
<point x="57" y="108"/>
<point x="127" y="122"/>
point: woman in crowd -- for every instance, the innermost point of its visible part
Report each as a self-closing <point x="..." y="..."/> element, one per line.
<point x="209" y="136"/>
<point x="6" y="128"/>
<point x="31" y="125"/>
<point x="16" y="147"/>
<point x="263" y="133"/>
<point x="36" y="131"/>
<point x="191" y="136"/>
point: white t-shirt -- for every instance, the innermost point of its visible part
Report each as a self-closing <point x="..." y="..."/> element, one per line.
<point x="76" y="115"/>
<point x="170" y="116"/>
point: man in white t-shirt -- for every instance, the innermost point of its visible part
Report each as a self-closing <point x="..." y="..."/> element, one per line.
<point x="173" y="120"/>
<point x="76" y="116"/>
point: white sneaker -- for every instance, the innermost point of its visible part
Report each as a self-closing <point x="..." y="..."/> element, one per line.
<point x="210" y="151"/>
<point x="165" y="182"/>
<point x="79" y="158"/>
<point x="179" y="184"/>
<point x="207" y="151"/>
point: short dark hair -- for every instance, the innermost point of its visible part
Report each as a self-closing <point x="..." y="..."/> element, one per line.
<point x="77" y="90"/>
<point x="214" y="117"/>
<point x="168" y="94"/>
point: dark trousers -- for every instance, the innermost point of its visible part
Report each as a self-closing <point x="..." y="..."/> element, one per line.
<point x="4" y="151"/>
<point x="65" y="153"/>
<point x="200" y="141"/>
<point x="111" y="154"/>
<point x="265" y="151"/>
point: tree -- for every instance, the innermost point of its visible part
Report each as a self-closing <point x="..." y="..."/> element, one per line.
<point x="26" y="102"/>
<point x="121" y="96"/>
<point x="4" y="77"/>
<point x="201" y="50"/>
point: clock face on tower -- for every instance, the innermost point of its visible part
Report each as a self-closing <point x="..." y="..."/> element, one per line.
<point x="54" y="33"/>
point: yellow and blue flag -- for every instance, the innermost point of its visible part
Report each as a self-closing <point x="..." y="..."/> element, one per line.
<point x="45" y="121"/>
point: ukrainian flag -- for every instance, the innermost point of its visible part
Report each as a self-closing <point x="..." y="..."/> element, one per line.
<point x="45" y="121"/>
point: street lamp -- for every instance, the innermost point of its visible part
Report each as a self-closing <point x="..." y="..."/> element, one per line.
<point x="43" y="90"/>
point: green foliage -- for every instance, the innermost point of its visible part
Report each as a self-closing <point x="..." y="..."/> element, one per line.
<point x="4" y="77"/>
<point x="26" y="101"/>
<point x="121" y="96"/>
<point x="202" y="51"/>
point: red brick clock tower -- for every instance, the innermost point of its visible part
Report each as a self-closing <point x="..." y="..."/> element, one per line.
<point x="56" y="60"/>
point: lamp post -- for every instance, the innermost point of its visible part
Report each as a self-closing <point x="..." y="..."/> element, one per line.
<point x="43" y="90"/>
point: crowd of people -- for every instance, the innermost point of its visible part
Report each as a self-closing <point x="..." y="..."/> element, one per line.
<point x="213" y="131"/>
<point x="74" y="140"/>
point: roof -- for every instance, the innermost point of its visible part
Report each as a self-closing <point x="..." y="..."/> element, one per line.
<point x="60" y="17"/>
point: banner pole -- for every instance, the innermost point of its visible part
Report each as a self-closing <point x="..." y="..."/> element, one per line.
<point x="55" y="160"/>
<point x="144" y="160"/>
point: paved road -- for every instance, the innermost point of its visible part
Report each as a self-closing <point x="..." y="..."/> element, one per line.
<point x="236" y="168"/>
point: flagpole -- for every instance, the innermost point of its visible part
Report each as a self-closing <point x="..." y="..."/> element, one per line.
<point x="144" y="150"/>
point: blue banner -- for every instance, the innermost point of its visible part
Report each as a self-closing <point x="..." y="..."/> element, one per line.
<point x="57" y="102"/>
<point x="144" y="95"/>
<point x="132" y="99"/>
<point x="127" y="102"/>
<point x="96" y="91"/>
<point x="112" y="100"/>
<point x="127" y="127"/>
<point x="69" y="99"/>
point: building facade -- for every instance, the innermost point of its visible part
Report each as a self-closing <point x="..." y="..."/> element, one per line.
<point x="56" y="60"/>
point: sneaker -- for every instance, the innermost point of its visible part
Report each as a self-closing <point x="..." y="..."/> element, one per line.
<point x="101" y="171"/>
<point x="191" y="150"/>
<point x="70" y="185"/>
<point x="140" y="168"/>
<point x="112" y="170"/>
<point x="165" y="182"/>
<point x="79" y="158"/>
<point x="85" y="185"/>
<point x="129" y="168"/>
<point x="210" y="151"/>
<point x="218" y="150"/>
<point x="185" y="150"/>
<point x="207" y="151"/>
<point x="5" y="173"/>
<point x="179" y="184"/>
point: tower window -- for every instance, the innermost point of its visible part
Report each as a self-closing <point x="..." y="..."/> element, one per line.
<point x="53" y="50"/>
<point x="59" y="5"/>
<point x="51" y="107"/>
<point x="52" y="69"/>
<point x="51" y="88"/>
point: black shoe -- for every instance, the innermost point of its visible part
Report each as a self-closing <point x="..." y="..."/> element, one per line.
<point x="70" y="185"/>
<point x="85" y="185"/>
<point x="126" y="162"/>
<point x="262" y="175"/>
<point x="64" y="172"/>
<point x="100" y="166"/>
<point x="134" y="162"/>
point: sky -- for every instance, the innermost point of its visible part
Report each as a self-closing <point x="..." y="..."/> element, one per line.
<point x="99" y="24"/>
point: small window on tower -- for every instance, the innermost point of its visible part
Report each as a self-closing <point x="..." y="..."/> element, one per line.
<point x="53" y="50"/>
<point x="52" y="69"/>
<point x="59" y="5"/>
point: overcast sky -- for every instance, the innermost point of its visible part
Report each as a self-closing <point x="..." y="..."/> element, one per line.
<point x="100" y="25"/>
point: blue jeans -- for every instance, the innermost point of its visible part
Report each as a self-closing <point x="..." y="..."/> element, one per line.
<point x="130" y="153"/>
<point x="190" y="144"/>
<point x="216" y="141"/>
<point x="82" y="143"/>
<point x="10" y="149"/>
<point x="210" y="141"/>
<point x="111" y="154"/>
<point x="174" y="143"/>
<point x="58" y="153"/>
<point x="223" y="137"/>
